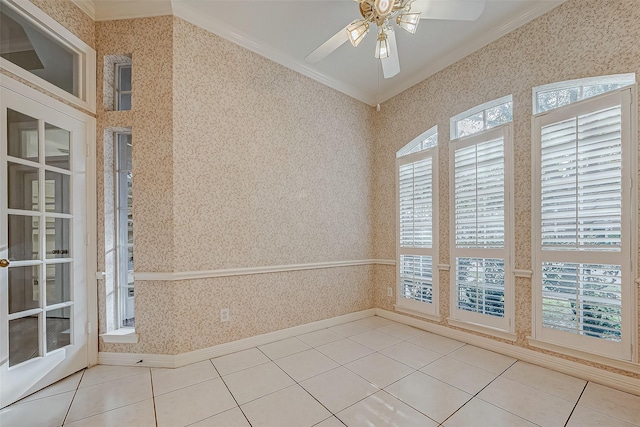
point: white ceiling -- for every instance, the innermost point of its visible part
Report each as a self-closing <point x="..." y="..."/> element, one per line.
<point x="287" y="31"/>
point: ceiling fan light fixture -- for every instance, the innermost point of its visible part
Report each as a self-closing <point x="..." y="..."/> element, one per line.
<point x="357" y="30"/>
<point x="382" y="46"/>
<point x="408" y="21"/>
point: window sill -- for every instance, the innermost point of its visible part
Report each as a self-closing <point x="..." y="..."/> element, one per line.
<point x="121" y="336"/>
<point x="498" y="333"/>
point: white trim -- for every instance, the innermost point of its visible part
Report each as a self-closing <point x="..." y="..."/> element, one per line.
<point x="87" y="57"/>
<point x="527" y="274"/>
<point x="122" y="336"/>
<point x="505" y="335"/>
<point x="87" y="6"/>
<point x="113" y="10"/>
<point x="453" y="121"/>
<point x="417" y="313"/>
<point x="182" y="359"/>
<point x="576" y="369"/>
<point x="129" y="9"/>
<point x="625" y="79"/>
<point x="246" y="271"/>
<point x="216" y="26"/>
<point x="580" y="354"/>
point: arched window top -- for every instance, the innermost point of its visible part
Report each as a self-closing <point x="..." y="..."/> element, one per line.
<point x="554" y="95"/>
<point x="482" y="117"/>
<point x="425" y="141"/>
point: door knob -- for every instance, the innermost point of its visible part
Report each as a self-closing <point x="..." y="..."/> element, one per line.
<point x="4" y="263"/>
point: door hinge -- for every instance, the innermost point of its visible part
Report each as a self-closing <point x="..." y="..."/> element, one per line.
<point x="86" y="148"/>
<point x="86" y="239"/>
<point x="89" y="328"/>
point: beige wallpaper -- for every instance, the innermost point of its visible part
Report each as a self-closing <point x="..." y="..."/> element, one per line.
<point x="150" y="42"/>
<point x="270" y="167"/>
<point x="237" y="162"/>
<point x="581" y="38"/>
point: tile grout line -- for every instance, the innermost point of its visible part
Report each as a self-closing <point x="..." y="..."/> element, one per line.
<point x="480" y="391"/>
<point x="74" y="396"/>
<point x="153" y="396"/>
<point x="229" y="390"/>
<point x="576" y="405"/>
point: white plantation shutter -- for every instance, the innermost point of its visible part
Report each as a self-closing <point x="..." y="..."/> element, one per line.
<point x="416" y="183"/>
<point x="581" y="175"/>
<point x="480" y="229"/>
<point x="479" y="195"/>
<point x="416" y="188"/>
<point x="582" y="156"/>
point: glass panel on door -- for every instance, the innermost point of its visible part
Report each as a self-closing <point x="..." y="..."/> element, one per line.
<point x="39" y="222"/>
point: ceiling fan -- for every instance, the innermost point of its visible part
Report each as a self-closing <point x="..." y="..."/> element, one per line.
<point x="406" y="14"/>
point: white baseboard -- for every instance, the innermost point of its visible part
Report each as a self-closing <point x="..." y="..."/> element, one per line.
<point x="178" y="360"/>
<point x="586" y="372"/>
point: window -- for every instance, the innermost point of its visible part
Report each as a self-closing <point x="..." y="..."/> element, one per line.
<point x="481" y="281"/>
<point x="482" y="117"/>
<point x="38" y="49"/>
<point x="124" y="228"/>
<point x="122" y="87"/>
<point x="583" y="200"/>
<point x="417" y="190"/>
<point x="556" y="95"/>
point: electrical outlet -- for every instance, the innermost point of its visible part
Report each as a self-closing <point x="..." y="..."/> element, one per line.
<point x="224" y="315"/>
<point x="389" y="291"/>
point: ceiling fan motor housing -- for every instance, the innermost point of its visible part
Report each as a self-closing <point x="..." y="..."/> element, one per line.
<point x="379" y="11"/>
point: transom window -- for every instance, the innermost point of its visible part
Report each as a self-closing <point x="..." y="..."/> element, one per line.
<point x="482" y="117"/>
<point x="417" y="190"/>
<point x="40" y="50"/>
<point x="556" y="95"/>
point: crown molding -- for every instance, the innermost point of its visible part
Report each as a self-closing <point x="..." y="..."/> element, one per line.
<point x="106" y="10"/>
<point x="222" y="29"/>
<point x="87" y="6"/>
<point x="471" y="46"/>
<point x="111" y="10"/>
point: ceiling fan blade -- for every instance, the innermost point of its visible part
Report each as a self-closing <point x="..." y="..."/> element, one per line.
<point x="391" y="64"/>
<point x="337" y="40"/>
<point x="455" y="10"/>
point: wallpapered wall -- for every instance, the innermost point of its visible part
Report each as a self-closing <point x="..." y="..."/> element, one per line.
<point x="581" y="38"/>
<point x="240" y="162"/>
<point x="237" y="162"/>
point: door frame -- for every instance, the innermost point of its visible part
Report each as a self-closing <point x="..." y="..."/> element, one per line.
<point x="91" y="202"/>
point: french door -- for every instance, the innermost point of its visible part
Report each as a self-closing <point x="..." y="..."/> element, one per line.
<point x="43" y="253"/>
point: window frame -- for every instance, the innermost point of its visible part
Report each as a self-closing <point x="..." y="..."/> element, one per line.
<point x="85" y="67"/>
<point x="493" y="325"/>
<point x="117" y="92"/>
<point x="120" y="230"/>
<point x="405" y="156"/>
<point x="626" y="349"/>
<point x="482" y="108"/>
<point x="623" y="79"/>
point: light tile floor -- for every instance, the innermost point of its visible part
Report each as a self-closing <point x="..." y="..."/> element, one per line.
<point x="370" y="373"/>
